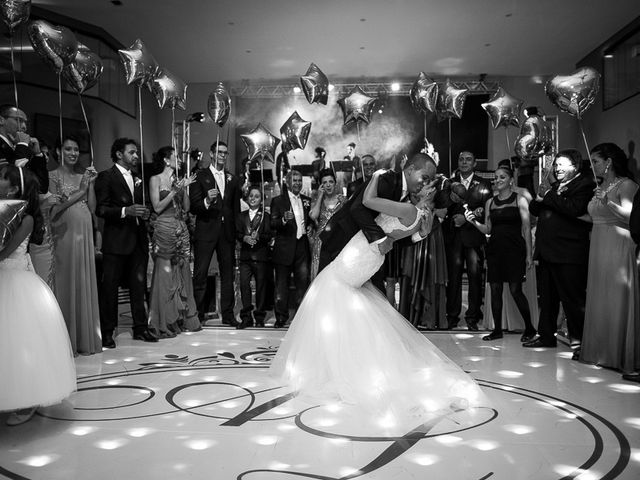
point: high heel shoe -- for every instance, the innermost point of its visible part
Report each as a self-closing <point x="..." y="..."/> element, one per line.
<point x="492" y="336"/>
<point x="21" y="416"/>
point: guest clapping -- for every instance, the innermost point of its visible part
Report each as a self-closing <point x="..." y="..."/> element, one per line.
<point x="509" y="249"/>
<point x="172" y="307"/>
<point x="327" y="203"/>
<point x="562" y="247"/>
<point x="612" y="313"/>
<point x="74" y="252"/>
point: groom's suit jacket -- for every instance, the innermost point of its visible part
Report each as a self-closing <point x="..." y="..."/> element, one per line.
<point x="354" y="216"/>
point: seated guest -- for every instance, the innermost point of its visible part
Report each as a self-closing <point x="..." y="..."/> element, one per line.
<point x="509" y="249"/>
<point x="172" y="307"/>
<point x="74" y="253"/>
<point x="562" y="247"/>
<point x="327" y="203"/>
<point x="368" y="166"/>
<point x="254" y="234"/>
<point x="289" y="222"/>
<point x="612" y="313"/>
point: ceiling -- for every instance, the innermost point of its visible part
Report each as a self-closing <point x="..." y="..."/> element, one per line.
<point x="259" y="40"/>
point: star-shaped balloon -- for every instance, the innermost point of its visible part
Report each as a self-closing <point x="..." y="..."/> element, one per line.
<point x="219" y="105"/>
<point x="424" y="94"/>
<point x="14" y="12"/>
<point x="574" y="93"/>
<point x="315" y="85"/>
<point x="535" y="138"/>
<point x="56" y="44"/>
<point x="450" y="101"/>
<point x="260" y="143"/>
<point x="11" y="213"/>
<point x="356" y="106"/>
<point x="169" y="90"/>
<point x="139" y="65"/>
<point x="294" y="132"/>
<point x="503" y="109"/>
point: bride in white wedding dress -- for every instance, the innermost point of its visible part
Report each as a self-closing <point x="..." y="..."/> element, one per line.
<point x="347" y="343"/>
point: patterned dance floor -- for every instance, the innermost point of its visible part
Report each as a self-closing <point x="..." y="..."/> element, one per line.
<point x="202" y="406"/>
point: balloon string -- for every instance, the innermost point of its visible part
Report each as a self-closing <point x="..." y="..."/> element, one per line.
<point x="425" y="128"/>
<point x="586" y="145"/>
<point x="358" y="130"/>
<point x="141" y="140"/>
<point x="174" y="142"/>
<point x="506" y="132"/>
<point x="13" y="72"/>
<point x="450" y="159"/>
<point x="86" y="122"/>
<point x="60" y="105"/>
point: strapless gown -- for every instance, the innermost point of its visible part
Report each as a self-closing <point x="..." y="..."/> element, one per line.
<point x="36" y="360"/>
<point x="347" y="343"/>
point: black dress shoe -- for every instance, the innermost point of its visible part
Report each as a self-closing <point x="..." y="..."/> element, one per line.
<point x="576" y="354"/>
<point x="492" y="336"/>
<point x="472" y="325"/>
<point x="107" y="342"/>
<point x="539" y="343"/>
<point x="452" y="323"/>
<point x="244" y="324"/>
<point x="278" y="324"/>
<point x="145" y="336"/>
<point x="631" y="377"/>
<point x="260" y="323"/>
<point x="527" y="337"/>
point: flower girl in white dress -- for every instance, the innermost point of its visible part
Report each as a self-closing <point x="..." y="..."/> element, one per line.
<point x="36" y="360"/>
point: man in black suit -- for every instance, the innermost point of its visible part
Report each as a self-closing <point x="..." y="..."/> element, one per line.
<point x="291" y="253"/>
<point x="254" y="234"/>
<point x="634" y="228"/>
<point x="19" y="148"/>
<point x="317" y="165"/>
<point x="562" y="247"/>
<point x="368" y="166"/>
<point x="419" y="171"/>
<point x="464" y="244"/>
<point x="215" y="201"/>
<point x="125" y="245"/>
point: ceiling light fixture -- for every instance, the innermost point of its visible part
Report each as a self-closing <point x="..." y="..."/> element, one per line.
<point x="395" y="86"/>
<point x="296" y="89"/>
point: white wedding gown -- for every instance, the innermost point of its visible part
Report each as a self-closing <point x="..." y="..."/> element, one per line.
<point x="347" y="343"/>
<point x="36" y="360"/>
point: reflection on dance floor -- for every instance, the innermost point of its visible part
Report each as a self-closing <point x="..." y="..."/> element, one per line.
<point x="202" y="405"/>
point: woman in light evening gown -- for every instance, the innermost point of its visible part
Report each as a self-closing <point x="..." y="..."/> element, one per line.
<point x="36" y="361"/>
<point x="347" y="343"/>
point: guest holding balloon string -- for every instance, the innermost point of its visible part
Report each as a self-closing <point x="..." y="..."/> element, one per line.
<point x="509" y="249"/>
<point x="74" y="252"/>
<point x="562" y="247"/>
<point x="172" y="308"/>
<point x="36" y="361"/>
<point x="612" y="313"/>
<point x="328" y="202"/>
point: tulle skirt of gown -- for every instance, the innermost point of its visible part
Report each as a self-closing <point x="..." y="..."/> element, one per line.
<point x="172" y="307"/>
<point x="348" y="343"/>
<point x="36" y="360"/>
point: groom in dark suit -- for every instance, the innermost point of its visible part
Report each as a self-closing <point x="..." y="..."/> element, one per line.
<point x="354" y="216"/>
<point x="291" y="253"/>
<point x="125" y="245"/>
<point x="215" y="201"/>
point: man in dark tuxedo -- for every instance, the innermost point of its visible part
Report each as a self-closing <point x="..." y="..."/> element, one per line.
<point x="215" y="201"/>
<point x="19" y="148"/>
<point x="318" y="164"/>
<point x="464" y="244"/>
<point x="253" y="228"/>
<point x="125" y="245"/>
<point x="291" y="253"/>
<point x="634" y="228"/>
<point x="368" y="166"/>
<point x="354" y="216"/>
<point x="562" y="247"/>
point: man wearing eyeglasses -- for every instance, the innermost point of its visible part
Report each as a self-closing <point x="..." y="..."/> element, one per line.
<point x="19" y="148"/>
<point x="215" y="201"/>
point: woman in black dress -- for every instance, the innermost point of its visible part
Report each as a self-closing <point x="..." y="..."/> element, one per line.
<point x="508" y="251"/>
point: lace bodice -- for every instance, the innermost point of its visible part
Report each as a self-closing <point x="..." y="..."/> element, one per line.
<point x="19" y="258"/>
<point x="389" y="223"/>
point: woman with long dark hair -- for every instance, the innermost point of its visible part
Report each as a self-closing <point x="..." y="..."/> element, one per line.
<point x="612" y="312"/>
